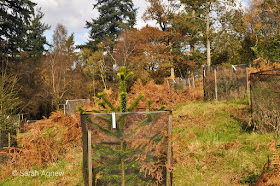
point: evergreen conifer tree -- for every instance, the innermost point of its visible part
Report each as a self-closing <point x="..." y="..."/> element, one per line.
<point x="114" y="15"/>
<point x="35" y="39"/>
<point x="120" y="167"/>
<point x="15" y="15"/>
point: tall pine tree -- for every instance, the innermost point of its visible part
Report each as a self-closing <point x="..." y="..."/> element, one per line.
<point x="114" y="16"/>
<point x="15" y="15"/>
<point x="35" y="40"/>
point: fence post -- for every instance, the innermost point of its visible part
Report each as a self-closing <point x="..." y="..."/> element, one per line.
<point x="247" y="81"/>
<point x="216" y="87"/>
<point x="193" y="82"/>
<point x="169" y="151"/>
<point x="89" y="160"/>
<point x="64" y="111"/>
<point x="251" y="100"/>
<point x="85" y="151"/>
<point x="9" y="139"/>
<point x="18" y="125"/>
<point x="21" y="125"/>
<point x="204" y="79"/>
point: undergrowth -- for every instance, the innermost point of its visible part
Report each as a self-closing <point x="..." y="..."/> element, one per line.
<point x="46" y="143"/>
<point x="213" y="145"/>
<point x="70" y="168"/>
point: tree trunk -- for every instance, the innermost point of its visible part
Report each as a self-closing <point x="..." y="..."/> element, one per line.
<point x="192" y="42"/>
<point x="103" y="80"/>
<point x="122" y="165"/>
<point x="172" y="71"/>
<point x="207" y="34"/>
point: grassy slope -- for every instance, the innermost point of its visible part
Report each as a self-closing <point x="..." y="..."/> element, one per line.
<point x="71" y="166"/>
<point x="210" y="147"/>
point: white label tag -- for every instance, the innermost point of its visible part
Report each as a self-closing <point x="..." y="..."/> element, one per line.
<point x="114" y="120"/>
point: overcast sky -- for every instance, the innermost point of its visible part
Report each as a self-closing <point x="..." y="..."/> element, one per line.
<point x="73" y="14"/>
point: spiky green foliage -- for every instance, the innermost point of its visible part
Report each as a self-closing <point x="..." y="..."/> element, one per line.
<point x="120" y="168"/>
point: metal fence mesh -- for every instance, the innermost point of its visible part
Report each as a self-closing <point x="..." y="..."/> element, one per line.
<point x="265" y="100"/>
<point x="70" y="105"/>
<point x="133" y="153"/>
<point x="225" y="82"/>
<point x="8" y="138"/>
<point x="180" y="83"/>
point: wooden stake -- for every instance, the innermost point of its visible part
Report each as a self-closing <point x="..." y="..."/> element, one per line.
<point x="169" y="151"/>
<point x="9" y="139"/>
<point x="89" y="160"/>
<point x="216" y="87"/>
<point x="85" y="151"/>
<point x="247" y="79"/>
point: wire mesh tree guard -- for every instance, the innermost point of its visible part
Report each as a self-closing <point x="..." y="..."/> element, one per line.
<point x="225" y="82"/>
<point x="265" y="100"/>
<point x="130" y="148"/>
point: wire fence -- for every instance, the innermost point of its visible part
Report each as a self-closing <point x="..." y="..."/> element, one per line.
<point x="127" y="148"/>
<point x="225" y="82"/>
<point x="181" y="83"/>
<point x="70" y="106"/>
<point x="265" y="100"/>
<point x="8" y="138"/>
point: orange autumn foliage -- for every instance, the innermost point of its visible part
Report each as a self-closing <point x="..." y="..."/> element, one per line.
<point x="163" y="95"/>
<point x="46" y="141"/>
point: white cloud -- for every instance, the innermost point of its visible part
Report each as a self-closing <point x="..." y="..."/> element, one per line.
<point x="141" y="7"/>
<point x="73" y="14"/>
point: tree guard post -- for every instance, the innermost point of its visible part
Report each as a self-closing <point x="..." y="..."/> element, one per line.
<point x="247" y="81"/>
<point x="216" y="87"/>
<point x="169" y="151"/>
<point x="204" y="91"/>
<point x="89" y="159"/>
<point x="85" y="151"/>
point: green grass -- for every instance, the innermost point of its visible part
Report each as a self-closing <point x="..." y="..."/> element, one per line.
<point x="69" y="172"/>
<point x="212" y="148"/>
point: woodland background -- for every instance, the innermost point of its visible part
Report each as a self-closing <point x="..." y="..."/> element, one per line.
<point x="36" y="76"/>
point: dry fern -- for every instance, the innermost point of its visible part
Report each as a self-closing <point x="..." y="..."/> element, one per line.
<point x="271" y="177"/>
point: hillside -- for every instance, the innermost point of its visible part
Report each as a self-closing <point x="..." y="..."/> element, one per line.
<point x="212" y="145"/>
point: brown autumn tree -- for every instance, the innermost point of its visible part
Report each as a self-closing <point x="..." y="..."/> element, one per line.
<point x="57" y="66"/>
<point x="263" y="20"/>
<point x="161" y="11"/>
<point x="148" y="53"/>
<point x="165" y="13"/>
